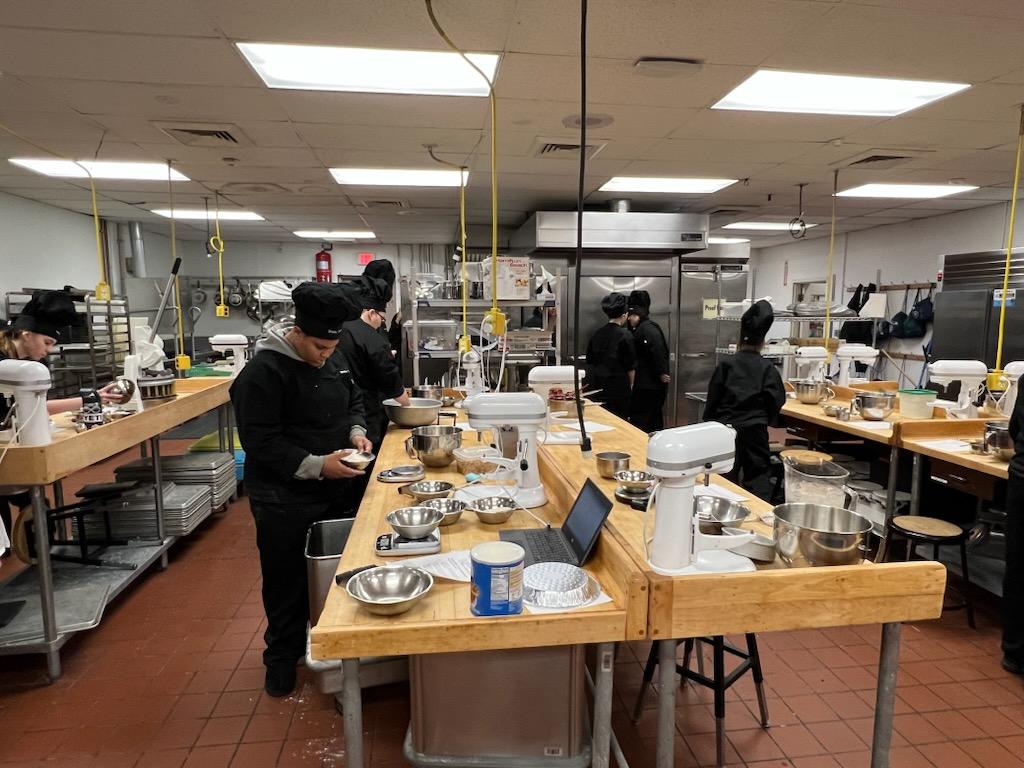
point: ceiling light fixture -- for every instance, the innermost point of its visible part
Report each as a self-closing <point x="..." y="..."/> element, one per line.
<point x="369" y="70"/>
<point x="336" y="234"/>
<point x="763" y="226"/>
<point x="908" y="191"/>
<point x="397" y="177"/>
<point x="196" y="213"/>
<point x="727" y="240"/>
<point x="680" y="186"/>
<point x="775" y="91"/>
<point x="99" y="169"/>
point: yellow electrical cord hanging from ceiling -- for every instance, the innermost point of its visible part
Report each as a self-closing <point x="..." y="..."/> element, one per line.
<point x="217" y="244"/>
<point x="1009" y="246"/>
<point x="464" y="342"/>
<point x="828" y="272"/>
<point x="182" y="361"/>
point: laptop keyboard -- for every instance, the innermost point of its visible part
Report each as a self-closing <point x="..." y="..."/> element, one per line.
<point x="546" y="546"/>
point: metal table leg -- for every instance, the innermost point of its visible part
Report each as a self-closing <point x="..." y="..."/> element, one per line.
<point x="352" y="701"/>
<point x="666" y="704"/>
<point x="221" y="429"/>
<point x="603" y="706"/>
<point x="885" y="696"/>
<point x="158" y="490"/>
<point x="916" y="483"/>
<point x="45" y="570"/>
<point x="890" y="501"/>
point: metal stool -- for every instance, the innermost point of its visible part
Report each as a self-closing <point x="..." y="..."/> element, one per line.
<point x="929" y="530"/>
<point x="720" y="683"/>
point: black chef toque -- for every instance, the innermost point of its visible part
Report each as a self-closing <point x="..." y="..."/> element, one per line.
<point x="755" y="323"/>
<point x="47" y="313"/>
<point x="614" y="305"/>
<point x="639" y="303"/>
<point x="320" y="309"/>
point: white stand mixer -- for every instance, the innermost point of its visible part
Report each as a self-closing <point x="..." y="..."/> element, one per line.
<point x="472" y="368"/>
<point x="543" y="379"/>
<point x="971" y="374"/>
<point x="847" y="355"/>
<point x="28" y="382"/>
<point x="236" y="344"/>
<point x="810" y="363"/>
<point x="1012" y="373"/>
<point x="677" y="456"/>
<point x="526" y="412"/>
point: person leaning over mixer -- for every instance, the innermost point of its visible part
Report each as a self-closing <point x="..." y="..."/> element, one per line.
<point x="298" y="414"/>
<point x="32" y="336"/>
<point x="1013" y="577"/>
<point x="611" y="357"/>
<point x="652" y="373"/>
<point x="746" y="392"/>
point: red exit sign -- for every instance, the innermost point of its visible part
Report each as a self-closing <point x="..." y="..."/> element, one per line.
<point x="365" y="258"/>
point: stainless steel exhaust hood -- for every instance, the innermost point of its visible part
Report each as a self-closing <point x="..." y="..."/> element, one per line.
<point x="619" y="231"/>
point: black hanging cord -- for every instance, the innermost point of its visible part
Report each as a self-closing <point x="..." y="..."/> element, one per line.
<point x="585" y="446"/>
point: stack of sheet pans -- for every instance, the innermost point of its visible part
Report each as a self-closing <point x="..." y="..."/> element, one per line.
<point x="133" y="514"/>
<point x="215" y="470"/>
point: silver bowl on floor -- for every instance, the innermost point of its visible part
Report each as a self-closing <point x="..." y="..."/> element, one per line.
<point x="389" y="591"/>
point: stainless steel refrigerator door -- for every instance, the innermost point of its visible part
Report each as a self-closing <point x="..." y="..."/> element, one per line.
<point x="1013" y="335"/>
<point x="700" y="285"/>
<point x="962" y="325"/>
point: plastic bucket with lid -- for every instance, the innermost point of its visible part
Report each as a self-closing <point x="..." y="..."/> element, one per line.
<point x="916" y="403"/>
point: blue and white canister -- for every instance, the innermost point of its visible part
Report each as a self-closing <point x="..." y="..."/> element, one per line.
<point x="497" y="584"/>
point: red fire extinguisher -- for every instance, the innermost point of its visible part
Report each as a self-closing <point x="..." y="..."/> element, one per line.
<point x="323" y="267"/>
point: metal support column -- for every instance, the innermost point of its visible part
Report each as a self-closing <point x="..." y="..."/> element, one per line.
<point x="44" y="568"/>
<point x="666" y="704"/>
<point x="222" y="426"/>
<point x="352" y="701"/>
<point x="885" y="695"/>
<point x="603" y="706"/>
<point x="158" y="491"/>
<point x="890" y="500"/>
<point x="916" y="484"/>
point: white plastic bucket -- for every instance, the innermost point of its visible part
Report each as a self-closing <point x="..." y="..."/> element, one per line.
<point x="916" y="403"/>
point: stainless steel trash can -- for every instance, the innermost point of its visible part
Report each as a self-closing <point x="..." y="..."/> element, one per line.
<point x="325" y="541"/>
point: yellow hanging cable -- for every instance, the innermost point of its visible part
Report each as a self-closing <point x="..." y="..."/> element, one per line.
<point x="217" y="244"/>
<point x="1009" y="242"/>
<point x="464" y="343"/>
<point x="828" y="276"/>
<point x="182" y="360"/>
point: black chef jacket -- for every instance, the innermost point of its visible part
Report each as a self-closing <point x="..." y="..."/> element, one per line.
<point x="610" y="357"/>
<point x="651" y="355"/>
<point x="745" y="390"/>
<point x="286" y="410"/>
<point x="375" y="372"/>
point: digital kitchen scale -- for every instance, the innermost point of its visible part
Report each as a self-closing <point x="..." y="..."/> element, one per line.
<point x="393" y="545"/>
<point x="635" y="498"/>
<point x="407" y="473"/>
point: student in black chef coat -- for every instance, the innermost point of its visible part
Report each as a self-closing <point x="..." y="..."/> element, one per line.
<point x="611" y="358"/>
<point x="652" y="377"/>
<point x="1013" y="578"/>
<point x="746" y="392"/>
<point x="298" y="413"/>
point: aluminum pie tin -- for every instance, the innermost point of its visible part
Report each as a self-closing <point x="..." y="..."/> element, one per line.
<point x="558" y="585"/>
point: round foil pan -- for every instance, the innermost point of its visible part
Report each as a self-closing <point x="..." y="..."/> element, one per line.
<point x="558" y="585"/>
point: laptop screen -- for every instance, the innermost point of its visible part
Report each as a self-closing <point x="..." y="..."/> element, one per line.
<point x="582" y="526"/>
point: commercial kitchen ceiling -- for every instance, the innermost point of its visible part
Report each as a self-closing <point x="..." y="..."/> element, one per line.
<point x="96" y="78"/>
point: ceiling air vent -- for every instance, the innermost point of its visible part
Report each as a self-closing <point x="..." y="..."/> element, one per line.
<point x="205" y="134"/>
<point x="383" y="204"/>
<point x="563" y="149"/>
<point x="882" y="158"/>
<point x="252" y="188"/>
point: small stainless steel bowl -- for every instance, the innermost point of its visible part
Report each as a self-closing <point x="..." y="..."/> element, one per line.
<point x="388" y="591"/>
<point x="414" y="522"/>
<point x="493" y="509"/>
<point x="832" y="411"/>
<point x="424" y="490"/>
<point x="428" y="392"/>
<point x="610" y="462"/>
<point x="875" y="406"/>
<point x="358" y="459"/>
<point x="452" y="509"/>
<point x="714" y="513"/>
<point x="635" y="479"/>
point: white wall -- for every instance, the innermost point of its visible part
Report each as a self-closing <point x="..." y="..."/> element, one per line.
<point x="45" y="247"/>
<point x="902" y="253"/>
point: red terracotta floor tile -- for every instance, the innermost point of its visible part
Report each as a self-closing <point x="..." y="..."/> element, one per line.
<point x="236" y="703"/>
<point x="210" y="757"/>
<point x="797" y="741"/>
<point x="222" y="730"/>
<point x="267" y="728"/>
<point x="193" y="705"/>
<point x="949" y="756"/>
<point x="991" y="752"/>
<point x="262" y="755"/>
<point x="755" y="745"/>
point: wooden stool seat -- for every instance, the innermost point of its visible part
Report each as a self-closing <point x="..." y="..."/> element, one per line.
<point x="804" y="456"/>
<point x="929" y="527"/>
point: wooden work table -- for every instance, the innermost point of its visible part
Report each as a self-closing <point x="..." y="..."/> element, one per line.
<point x="772" y="598"/>
<point x="918" y="438"/>
<point x="794" y="409"/>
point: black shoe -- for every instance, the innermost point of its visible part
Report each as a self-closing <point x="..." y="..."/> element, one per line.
<point x="280" y="680"/>
<point x="1012" y="666"/>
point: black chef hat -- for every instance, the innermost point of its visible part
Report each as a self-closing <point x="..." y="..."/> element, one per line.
<point x="639" y="303"/>
<point x="755" y="323"/>
<point x="382" y="269"/>
<point x="375" y="292"/>
<point x="47" y="313"/>
<point x="380" y="282"/>
<point x="614" y="305"/>
<point x="320" y="309"/>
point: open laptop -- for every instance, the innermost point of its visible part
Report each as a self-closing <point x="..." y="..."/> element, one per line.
<point x="575" y="540"/>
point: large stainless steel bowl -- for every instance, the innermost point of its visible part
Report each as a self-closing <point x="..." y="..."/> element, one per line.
<point x="452" y="509"/>
<point x="420" y="411"/>
<point x="428" y="391"/>
<point x="388" y="591"/>
<point x="414" y="522"/>
<point x="434" y="445"/>
<point x="635" y="479"/>
<point x="875" y="406"/>
<point x="610" y="462"/>
<point x="813" y="534"/>
<point x="714" y="513"/>
<point x="809" y="391"/>
<point x="424" y="490"/>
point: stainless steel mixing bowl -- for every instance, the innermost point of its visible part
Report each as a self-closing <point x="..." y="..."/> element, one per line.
<point x="434" y="445"/>
<point x="388" y="591"/>
<point x="452" y="509"/>
<point x="813" y="534"/>
<point x="811" y="392"/>
<point x="424" y="490"/>
<point x="358" y="459"/>
<point x="414" y="522"/>
<point x="420" y="411"/>
<point x="610" y="462"/>
<point x="875" y="406"/>
<point x="714" y="513"/>
<point x="493" y="509"/>
<point x="635" y="479"/>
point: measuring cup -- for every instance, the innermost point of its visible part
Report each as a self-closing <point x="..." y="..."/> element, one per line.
<point x="822" y="482"/>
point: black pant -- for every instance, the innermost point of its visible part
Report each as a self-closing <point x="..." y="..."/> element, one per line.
<point x="1013" y="580"/>
<point x="281" y="537"/>
<point x="752" y="468"/>
<point x="646" y="409"/>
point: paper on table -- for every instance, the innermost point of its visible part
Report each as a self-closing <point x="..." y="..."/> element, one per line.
<point x="454" y="566"/>
<point x="879" y="425"/>
<point x="718" y="491"/>
<point x="561" y="438"/>
<point x="948" y="444"/>
<point x="599" y="600"/>
<point x="592" y="426"/>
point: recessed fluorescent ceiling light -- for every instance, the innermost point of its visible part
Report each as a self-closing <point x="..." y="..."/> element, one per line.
<point x="196" y="213"/>
<point x="397" y="177"/>
<point x="772" y="91"/>
<point x="727" y="240"/>
<point x="767" y="226"/>
<point x="659" y="184"/>
<point x="331" y="234"/>
<point x="370" y="70"/>
<point x="922" y="191"/>
<point x="100" y="169"/>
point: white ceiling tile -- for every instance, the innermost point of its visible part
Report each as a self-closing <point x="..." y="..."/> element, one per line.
<point x="998" y="9"/>
<point x="985" y="101"/>
<point x="628" y="121"/>
<point x="376" y="109"/>
<point x="126" y="16"/>
<point x="765" y="152"/>
<point x="454" y="142"/>
<point x="914" y="132"/>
